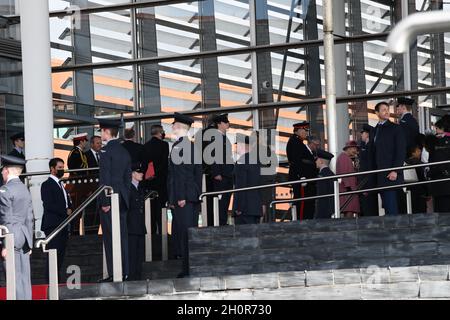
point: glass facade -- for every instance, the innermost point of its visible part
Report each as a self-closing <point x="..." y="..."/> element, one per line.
<point x="185" y="83"/>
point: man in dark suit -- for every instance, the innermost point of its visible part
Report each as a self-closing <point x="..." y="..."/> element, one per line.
<point x="115" y="171"/>
<point x="324" y="206"/>
<point x="57" y="207"/>
<point x="93" y="154"/>
<point x="369" y="201"/>
<point x="407" y="122"/>
<point x="135" y="149"/>
<point x="16" y="213"/>
<point x="387" y="150"/>
<point x="221" y="170"/>
<point x="155" y="165"/>
<point x="247" y="205"/>
<point x="136" y="223"/>
<point x="18" y="141"/>
<point x="184" y="186"/>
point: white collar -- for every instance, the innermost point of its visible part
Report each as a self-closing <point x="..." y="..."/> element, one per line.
<point x="135" y="183"/>
<point x="20" y="150"/>
<point x="11" y="177"/>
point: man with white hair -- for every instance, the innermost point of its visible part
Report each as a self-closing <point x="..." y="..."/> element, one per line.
<point x="16" y="213"/>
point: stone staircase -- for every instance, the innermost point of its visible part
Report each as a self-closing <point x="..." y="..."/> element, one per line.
<point x="390" y="241"/>
<point x="86" y="252"/>
<point x="419" y="282"/>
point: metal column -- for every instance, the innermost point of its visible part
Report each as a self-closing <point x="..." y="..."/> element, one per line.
<point x="37" y="85"/>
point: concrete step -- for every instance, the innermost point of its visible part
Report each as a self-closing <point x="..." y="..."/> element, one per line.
<point x="404" y="240"/>
<point x="416" y="282"/>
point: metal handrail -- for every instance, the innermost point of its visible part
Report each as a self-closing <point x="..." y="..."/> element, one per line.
<point x="152" y="195"/>
<point x="345" y="175"/>
<point x="65" y="223"/>
<point x="3" y="231"/>
<point x="43" y="173"/>
<point x="404" y="185"/>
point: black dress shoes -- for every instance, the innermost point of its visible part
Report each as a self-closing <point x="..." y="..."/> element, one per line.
<point x="109" y="279"/>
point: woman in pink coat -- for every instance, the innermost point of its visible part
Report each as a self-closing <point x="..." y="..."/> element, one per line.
<point x="344" y="164"/>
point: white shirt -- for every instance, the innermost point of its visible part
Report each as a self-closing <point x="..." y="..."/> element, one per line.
<point x="96" y="156"/>
<point x="59" y="184"/>
<point x="135" y="184"/>
<point x="10" y="177"/>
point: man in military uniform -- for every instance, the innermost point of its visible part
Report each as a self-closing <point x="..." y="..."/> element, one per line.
<point x="369" y="201"/>
<point x="16" y="213"/>
<point x="115" y="171"/>
<point x="324" y="206"/>
<point x="221" y="170"/>
<point x="18" y="140"/>
<point x="136" y="223"/>
<point x="77" y="160"/>
<point x="302" y="166"/>
<point x="407" y="121"/>
<point x="184" y="186"/>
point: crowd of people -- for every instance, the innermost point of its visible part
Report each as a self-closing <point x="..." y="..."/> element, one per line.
<point x="134" y="170"/>
<point x="387" y="145"/>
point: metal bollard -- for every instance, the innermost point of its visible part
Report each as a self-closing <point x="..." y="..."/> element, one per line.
<point x="164" y="246"/>
<point x="408" y="201"/>
<point x="53" y="293"/>
<point x="294" y="212"/>
<point x="216" y="211"/>
<point x="116" y="238"/>
<point x="204" y="204"/>
<point x="82" y="226"/>
<point x="337" y="206"/>
<point x="148" y="226"/>
<point x="10" y="267"/>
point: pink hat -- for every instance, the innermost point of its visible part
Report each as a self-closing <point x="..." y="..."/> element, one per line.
<point x="351" y="144"/>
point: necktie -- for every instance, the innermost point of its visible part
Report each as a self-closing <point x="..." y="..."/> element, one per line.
<point x="96" y="156"/>
<point x="377" y="130"/>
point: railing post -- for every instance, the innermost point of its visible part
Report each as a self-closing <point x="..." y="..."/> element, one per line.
<point x="216" y="211"/>
<point x="82" y="226"/>
<point x="204" y="204"/>
<point x="294" y="212"/>
<point x="10" y="268"/>
<point x="164" y="246"/>
<point x="105" y="266"/>
<point x="408" y="201"/>
<point x="148" y="226"/>
<point x="53" y="293"/>
<point x="116" y="238"/>
<point x="337" y="206"/>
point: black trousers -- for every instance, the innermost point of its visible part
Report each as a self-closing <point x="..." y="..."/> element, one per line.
<point x="441" y="203"/>
<point x="224" y="203"/>
<point x="156" y="216"/>
<point x="136" y="255"/>
<point x="209" y="201"/>
<point x="246" y="219"/>
<point x="369" y="205"/>
<point x="183" y="219"/>
<point x="305" y="209"/>
<point x="106" y="223"/>
<point x="59" y="243"/>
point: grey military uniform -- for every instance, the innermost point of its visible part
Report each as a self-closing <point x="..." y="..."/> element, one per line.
<point x="16" y="213"/>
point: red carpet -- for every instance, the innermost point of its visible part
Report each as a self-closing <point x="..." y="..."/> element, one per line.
<point x="39" y="292"/>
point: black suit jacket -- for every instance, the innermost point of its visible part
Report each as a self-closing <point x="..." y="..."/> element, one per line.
<point x="136" y="213"/>
<point x="185" y="177"/>
<point x="247" y="174"/>
<point x="92" y="162"/>
<point x="324" y="206"/>
<point x="386" y="151"/>
<point x="135" y="150"/>
<point x="225" y="165"/>
<point x="157" y="151"/>
<point x="55" y="211"/>
<point x="410" y="129"/>
<point x="115" y="171"/>
<point x="16" y="153"/>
